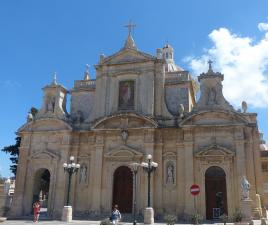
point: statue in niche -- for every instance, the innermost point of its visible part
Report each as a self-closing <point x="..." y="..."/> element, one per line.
<point x="83" y="174"/>
<point x="51" y="104"/>
<point x="245" y="186"/>
<point x="212" y="97"/>
<point x="170" y="174"/>
<point x="124" y="135"/>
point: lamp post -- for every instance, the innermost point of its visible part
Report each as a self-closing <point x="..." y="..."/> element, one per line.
<point x="149" y="167"/>
<point x="70" y="168"/>
<point x="135" y="167"/>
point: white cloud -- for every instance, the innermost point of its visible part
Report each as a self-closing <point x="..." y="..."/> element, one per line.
<point x="263" y="26"/>
<point x="243" y="63"/>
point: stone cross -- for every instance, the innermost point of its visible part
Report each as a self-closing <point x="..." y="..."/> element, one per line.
<point x="130" y="27"/>
<point x="210" y="64"/>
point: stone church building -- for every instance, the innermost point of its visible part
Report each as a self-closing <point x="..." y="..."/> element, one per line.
<point x="140" y="104"/>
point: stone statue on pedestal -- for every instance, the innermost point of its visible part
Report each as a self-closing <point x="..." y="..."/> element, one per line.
<point x="245" y="186"/>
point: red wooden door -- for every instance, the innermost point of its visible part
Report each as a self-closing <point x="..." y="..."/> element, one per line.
<point x="216" y="196"/>
<point x="123" y="189"/>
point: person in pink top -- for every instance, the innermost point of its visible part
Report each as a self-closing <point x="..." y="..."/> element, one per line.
<point x="36" y="208"/>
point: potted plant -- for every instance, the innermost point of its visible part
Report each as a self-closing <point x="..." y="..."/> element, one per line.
<point x="170" y="219"/>
<point x="106" y="222"/>
<point x="224" y="218"/>
<point x="196" y="218"/>
<point x="238" y="217"/>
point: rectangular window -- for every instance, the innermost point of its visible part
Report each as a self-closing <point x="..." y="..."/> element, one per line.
<point x="126" y="95"/>
<point x="264" y="167"/>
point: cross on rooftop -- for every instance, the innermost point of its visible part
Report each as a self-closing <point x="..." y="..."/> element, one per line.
<point x="210" y="64"/>
<point x="130" y="27"/>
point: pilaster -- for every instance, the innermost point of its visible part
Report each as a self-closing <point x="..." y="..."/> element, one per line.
<point x="240" y="164"/>
<point x="17" y="203"/>
<point x="180" y="178"/>
<point x="189" y="177"/>
<point x="97" y="159"/>
<point x="158" y="195"/>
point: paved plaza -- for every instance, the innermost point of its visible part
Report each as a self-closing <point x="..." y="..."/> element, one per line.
<point x="19" y="222"/>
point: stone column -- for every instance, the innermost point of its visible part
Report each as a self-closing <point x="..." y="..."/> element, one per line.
<point x="256" y="188"/>
<point x="240" y="164"/>
<point x="97" y="160"/>
<point x="189" y="177"/>
<point x="17" y="203"/>
<point x="158" y="196"/>
<point x="180" y="178"/>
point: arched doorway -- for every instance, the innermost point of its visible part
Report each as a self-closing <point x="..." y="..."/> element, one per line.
<point x="123" y="189"/>
<point x="41" y="188"/>
<point x="216" y="196"/>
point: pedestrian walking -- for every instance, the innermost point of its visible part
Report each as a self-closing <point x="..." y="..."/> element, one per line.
<point x="36" y="208"/>
<point x="116" y="215"/>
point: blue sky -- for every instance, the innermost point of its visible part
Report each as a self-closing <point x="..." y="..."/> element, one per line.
<point x="38" y="38"/>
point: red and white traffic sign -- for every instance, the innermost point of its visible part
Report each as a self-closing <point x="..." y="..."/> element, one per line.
<point x="195" y="189"/>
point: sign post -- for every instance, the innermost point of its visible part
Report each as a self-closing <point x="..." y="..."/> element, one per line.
<point x="195" y="189"/>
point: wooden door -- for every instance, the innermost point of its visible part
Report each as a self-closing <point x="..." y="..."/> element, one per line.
<point x="123" y="189"/>
<point x="216" y="196"/>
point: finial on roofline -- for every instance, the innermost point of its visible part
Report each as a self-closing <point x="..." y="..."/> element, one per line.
<point x="54" y="79"/>
<point x="129" y="43"/>
<point x="86" y="74"/>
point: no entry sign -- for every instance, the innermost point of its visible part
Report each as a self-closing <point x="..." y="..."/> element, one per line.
<point x="194" y="189"/>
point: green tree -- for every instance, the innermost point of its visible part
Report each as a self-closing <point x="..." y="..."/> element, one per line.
<point x="13" y="150"/>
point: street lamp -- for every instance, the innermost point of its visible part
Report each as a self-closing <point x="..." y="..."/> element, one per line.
<point x="149" y="168"/>
<point x="135" y="167"/>
<point x="70" y="168"/>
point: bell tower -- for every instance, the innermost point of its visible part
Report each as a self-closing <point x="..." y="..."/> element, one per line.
<point x="54" y="101"/>
<point x="211" y="96"/>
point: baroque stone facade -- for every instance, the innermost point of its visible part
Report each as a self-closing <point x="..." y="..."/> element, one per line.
<point x="140" y="104"/>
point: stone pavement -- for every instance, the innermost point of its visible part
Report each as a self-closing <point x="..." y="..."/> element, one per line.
<point x="56" y="222"/>
<point x="81" y="222"/>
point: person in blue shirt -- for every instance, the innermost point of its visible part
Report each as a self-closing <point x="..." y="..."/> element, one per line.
<point x="116" y="215"/>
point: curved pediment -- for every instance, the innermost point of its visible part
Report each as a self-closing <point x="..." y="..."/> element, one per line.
<point x="45" y="124"/>
<point x="127" y="55"/>
<point x="215" y="151"/>
<point x="124" y="121"/>
<point x="123" y="153"/>
<point x="214" y="118"/>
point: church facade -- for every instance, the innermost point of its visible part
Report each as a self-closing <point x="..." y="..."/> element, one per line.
<point x="140" y="104"/>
